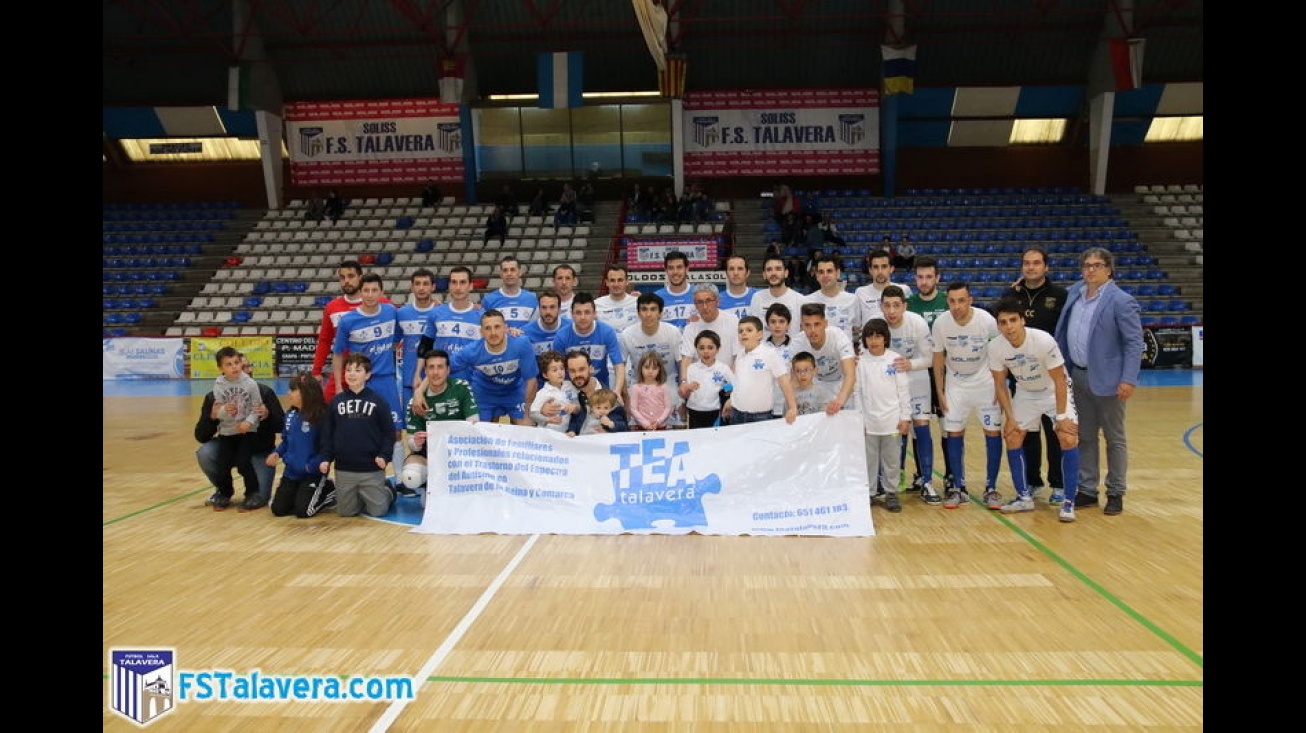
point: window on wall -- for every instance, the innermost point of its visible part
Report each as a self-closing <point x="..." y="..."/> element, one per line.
<point x="596" y="141"/>
<point x="527" y="142"/>
<point x="498" y="142"/>
<point x="546" y="143"/>
<point x="646" y="139"/>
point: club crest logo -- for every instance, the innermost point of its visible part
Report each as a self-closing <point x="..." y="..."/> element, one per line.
<point x="141" y="683"/>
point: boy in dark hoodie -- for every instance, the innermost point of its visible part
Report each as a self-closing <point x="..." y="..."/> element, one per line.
<point x="358" y="435"/>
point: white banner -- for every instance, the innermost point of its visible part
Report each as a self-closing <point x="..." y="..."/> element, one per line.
<point x="144" y="358"/>
<point x="769" y="478"/>
<point x="1198" y="336"/>
<point x="717" y="277"/>
<point x="794" y="129"/>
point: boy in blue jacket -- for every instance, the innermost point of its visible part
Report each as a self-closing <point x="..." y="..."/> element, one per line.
<point x="359" y="437"/>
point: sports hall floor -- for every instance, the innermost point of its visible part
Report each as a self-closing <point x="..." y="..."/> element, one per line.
<point x="945" y="620"/>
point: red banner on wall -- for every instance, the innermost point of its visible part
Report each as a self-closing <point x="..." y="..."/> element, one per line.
<point x="650" y="254"/>
<point x="782" y="132"/>
<point x="380" y="141"/>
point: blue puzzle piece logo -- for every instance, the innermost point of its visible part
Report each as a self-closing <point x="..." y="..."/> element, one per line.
<point x="652" y="485"/>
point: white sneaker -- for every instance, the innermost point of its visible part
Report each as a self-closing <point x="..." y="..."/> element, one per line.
<point x="1067" y="513"/>
<point x="1018" y="504"/>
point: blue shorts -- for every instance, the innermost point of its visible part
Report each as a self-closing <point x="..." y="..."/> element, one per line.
<point x="386" y="386"/>
<point x="491" y="411"/>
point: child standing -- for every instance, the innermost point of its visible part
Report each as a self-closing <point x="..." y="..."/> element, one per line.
<point x="649" y="404"/>
<point x="706" y="379"/>
<point x="601" y="415"/>
<point x="235" y="395"/>
<point x="358" y="436"/>
<point x="553" y="367"/>
<point x="885" y="402"/>
<point x="760" y="371"/>
<point x="303" y="491"/>
<point x="812" y="396"/>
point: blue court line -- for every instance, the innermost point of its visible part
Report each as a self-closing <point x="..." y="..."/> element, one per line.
<point x="1188" y="435"/>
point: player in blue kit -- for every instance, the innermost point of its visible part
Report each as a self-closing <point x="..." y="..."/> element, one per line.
<point x="597" y="339"/>
<point x="413" y="319"/>
<point x="502" y="371"/>
<point x="512" y="300"/>
<point x="373" y="329"/>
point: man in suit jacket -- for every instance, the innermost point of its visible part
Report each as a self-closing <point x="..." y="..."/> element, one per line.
<point x="1100" y="332"/>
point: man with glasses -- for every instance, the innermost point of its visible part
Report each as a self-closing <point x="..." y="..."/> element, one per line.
<point x="710" y="317"/>
<point x="1100" y="332"/>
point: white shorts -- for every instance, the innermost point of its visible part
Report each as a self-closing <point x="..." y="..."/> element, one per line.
<point x="965" y="399"/>
<point x="1029" y="409"/>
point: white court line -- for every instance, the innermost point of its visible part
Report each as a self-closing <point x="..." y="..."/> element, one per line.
<point x="392" y="713"/>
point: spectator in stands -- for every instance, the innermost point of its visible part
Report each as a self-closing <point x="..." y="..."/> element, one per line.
<point x="507" y="200"/>
<point x="538" y="207"/>
<point x="685" y="206"/>
<point x="431" y="195"/>
<point x="904" y="257"/>
<point x="1100" y="332"/>
<point x="727" y="236"/>
<point x="784" y="204"/>
<point x="813" y="235"/>
<point x="335" y="206"/>
<point x="1043" y="301"/>
<point x="496" y="225"/>
<point x="568" y="212"/>
<point x="830" y="231"/>
<point x="791" y="230"/>
<point x="316" y="209"/>
<point x="585" y="196"/>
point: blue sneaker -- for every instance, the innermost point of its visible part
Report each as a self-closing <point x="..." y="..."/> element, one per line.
<point x="1057" y="496"/>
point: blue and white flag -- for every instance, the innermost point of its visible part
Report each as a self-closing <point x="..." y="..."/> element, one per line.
<point x="559" y="78"/>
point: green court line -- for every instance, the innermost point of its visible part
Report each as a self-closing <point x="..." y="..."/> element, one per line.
<point x="812" y="682"/>
<point x="1169" y="639"/>
<point x="1174" y="643"/>
<point x="161" y="504"/>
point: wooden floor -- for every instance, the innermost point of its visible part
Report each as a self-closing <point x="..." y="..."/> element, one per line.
<point x="944" y="620"/>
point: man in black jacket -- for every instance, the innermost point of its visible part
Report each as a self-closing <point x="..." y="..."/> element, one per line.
<point x="1043" y="301"/>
